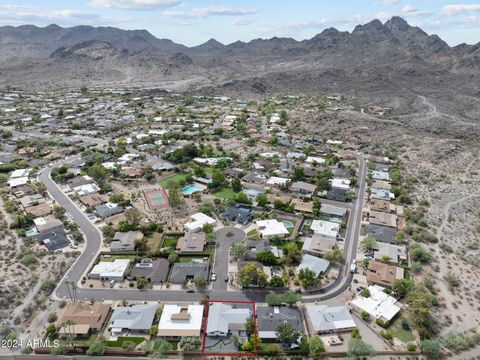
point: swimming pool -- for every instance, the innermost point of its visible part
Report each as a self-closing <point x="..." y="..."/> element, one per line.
<point x="288" y="224"/>
<point x="190" y="189"/>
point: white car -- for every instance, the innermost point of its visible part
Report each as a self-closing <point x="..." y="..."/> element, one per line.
<point x="353" y="267"/>
<point x="213" y="277"/>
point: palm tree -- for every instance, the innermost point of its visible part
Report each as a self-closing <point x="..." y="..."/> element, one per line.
<point x="68" y="326"/>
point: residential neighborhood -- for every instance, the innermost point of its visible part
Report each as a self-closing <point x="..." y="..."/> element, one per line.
<point x="203" y="225"/>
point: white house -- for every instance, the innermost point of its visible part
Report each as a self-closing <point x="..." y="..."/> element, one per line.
<point x="199" y="219"/>
<point x="110" y="270"/>
<point x="270" y="228"/>
<point x="325" y="228"/>
<point x="277" y="181"/>
<point x="180" y="320"/>
<point x="340" y="183"/>
<point x="379" y="304"/>
<point x="315" y="159"/>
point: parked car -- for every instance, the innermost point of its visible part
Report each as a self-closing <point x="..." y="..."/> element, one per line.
<point x="226" y="279"/>
<point x="214" y="277"/>
<point x="112" y="283"/>
<point x="190" y="291"/>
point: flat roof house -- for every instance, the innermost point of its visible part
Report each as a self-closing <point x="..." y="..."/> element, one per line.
<point x="325" y="228"/>
<point x="270" y="228"/>
<point x="276" y="181"/>
<point x="178" y="321"/>
<point x="110" y="270"/>
<point x="379" y="304"/>
<point x="225" y="319"/>
<point x="270" y="317"/>
<point x="326" y="319"/>
<point x="339" y="183"/>
<point x="137" y="318"/>
<point x="188" y="271"/>
<point x="198" y="220"/>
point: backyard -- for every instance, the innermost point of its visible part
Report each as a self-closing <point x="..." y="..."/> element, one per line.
<point x="176" y="179"/>
<point x="153" y="242"/>
<point x="397" y="330"/>
<point x="225" y="193"/>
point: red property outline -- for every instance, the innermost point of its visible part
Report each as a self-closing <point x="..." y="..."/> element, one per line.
<point x="205" y="319"/>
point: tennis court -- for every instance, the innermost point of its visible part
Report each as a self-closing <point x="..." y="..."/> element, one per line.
<point x="156" y="198"/>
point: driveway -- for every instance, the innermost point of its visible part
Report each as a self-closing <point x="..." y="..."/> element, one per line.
<point x="225" y="238"/>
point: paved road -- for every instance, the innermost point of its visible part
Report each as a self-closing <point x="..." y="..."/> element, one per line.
<point x="94" y="241"/>
<point x="344" y="279"/>
<point x="92" y="233"/>
<point x="221" y="254"/>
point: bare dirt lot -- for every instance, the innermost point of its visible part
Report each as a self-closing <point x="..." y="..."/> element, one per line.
<point x="443" y="167"/>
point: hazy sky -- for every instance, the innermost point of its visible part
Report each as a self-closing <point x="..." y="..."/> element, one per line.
<point x="192" y="22"/>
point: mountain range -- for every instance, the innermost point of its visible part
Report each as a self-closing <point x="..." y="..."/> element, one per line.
<point x="375" y="56"/>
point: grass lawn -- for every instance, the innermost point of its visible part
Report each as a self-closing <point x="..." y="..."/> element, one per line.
<point x="225" y="193"/>
<point x="119" y="342"/>
<point x="175" y="179"/>
<point x="269" y="348"/>
<point x="399" y="332"/>
<point x="252" y="233"/>
<point x="111" y="258"/>
<point x="283" y="245"/>
<point x="153" y="242"/>
<point x="170" y="242"/>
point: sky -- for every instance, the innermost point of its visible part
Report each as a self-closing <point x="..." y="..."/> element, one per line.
<point x="192" y="22"/>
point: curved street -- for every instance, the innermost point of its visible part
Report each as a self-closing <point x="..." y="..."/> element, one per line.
<point x="219" y="288"/>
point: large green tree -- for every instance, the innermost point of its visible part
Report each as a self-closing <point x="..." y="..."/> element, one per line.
<point x="287" y="334"/>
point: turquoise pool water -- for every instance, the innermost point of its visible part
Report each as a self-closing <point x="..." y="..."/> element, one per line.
<point x="288" y="224"/>
<point x="189" y="189"/>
